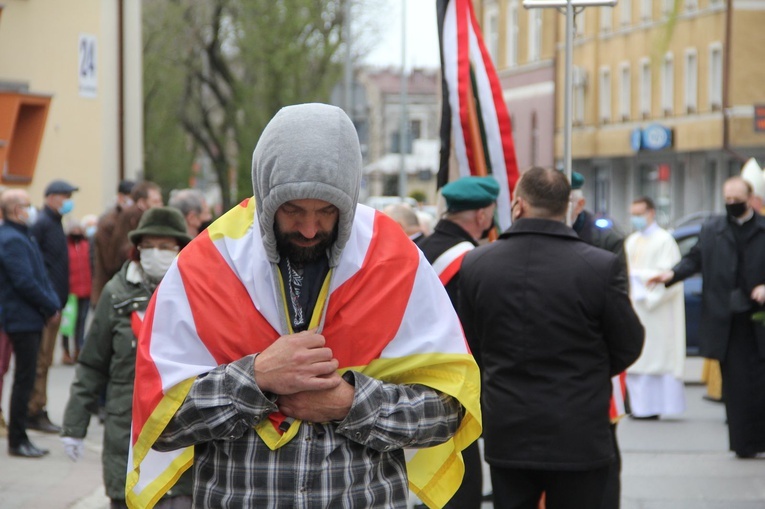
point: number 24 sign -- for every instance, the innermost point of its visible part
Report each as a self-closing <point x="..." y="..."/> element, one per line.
<point x="87" y="68"/>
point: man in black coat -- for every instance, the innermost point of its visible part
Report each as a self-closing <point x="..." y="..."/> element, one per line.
<point x="550" y="318"/>
<point x="27" y="302"/>
<point x="49" y="234"/>
<point x="470" y="204"/>
<point x="730" y="254"/>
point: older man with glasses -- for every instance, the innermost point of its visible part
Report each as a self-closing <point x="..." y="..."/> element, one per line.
<point x="28" y="302"/>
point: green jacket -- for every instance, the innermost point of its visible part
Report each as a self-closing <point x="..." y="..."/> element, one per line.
<point x="107" y="363"/>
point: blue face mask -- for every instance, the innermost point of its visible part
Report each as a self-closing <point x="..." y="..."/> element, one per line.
<point x="66" y="207"/>
<point x="90" y="231"/>
<point x="639" y="223"/>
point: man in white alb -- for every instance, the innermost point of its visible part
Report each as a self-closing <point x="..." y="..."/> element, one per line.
<point x="655" y="380"/>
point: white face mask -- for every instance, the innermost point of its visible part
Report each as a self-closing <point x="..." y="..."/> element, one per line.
<point x="155" y="262"/>
<point x="31" y="215"/>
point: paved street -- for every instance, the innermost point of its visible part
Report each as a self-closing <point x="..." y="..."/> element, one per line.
<point x="672" y="464"/>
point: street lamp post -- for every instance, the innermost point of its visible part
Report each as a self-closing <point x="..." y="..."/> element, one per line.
<point x="570" y="6"/>
<point x="403" y="121"/>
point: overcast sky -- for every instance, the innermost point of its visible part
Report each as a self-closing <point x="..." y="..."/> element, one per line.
<point x="421" y="35"/>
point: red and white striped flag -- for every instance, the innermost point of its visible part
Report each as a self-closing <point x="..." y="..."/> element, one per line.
<point x="473" y="115"/>
<point x="387" y="316"/>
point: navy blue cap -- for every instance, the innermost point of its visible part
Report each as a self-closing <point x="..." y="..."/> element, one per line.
<point x="60" y="187"/>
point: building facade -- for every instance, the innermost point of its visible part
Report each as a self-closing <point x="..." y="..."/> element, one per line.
<point x="664" y="96"/>
<point x="376" y="111"/>
<point x="522" y="44"/>
<point x="71" y="97"/>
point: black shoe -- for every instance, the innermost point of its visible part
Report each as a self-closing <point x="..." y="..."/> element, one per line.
<point x="41" y="422"/>
<point x="27" y="450"/>
<point x="646" y="418"/>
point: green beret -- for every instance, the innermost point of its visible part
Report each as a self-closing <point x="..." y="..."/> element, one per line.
<point x="577" y="180"/>
<point x="470" y="193"/>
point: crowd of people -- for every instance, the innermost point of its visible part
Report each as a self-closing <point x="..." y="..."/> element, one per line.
<point x="53" y="268"/>
<point x="297" y="350"/>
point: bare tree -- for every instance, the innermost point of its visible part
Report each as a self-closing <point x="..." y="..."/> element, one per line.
<point x="239" y="62"/>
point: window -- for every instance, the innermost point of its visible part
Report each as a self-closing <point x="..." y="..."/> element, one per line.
<point x="645" y="88"/>
<point x="625" y="8"/>
<point x="715" y="76"/>
<point x="535" y="34"/>
<point x="491" y="30"/>
<point x="691" y="81"/>
<point x="606" y="18"/>
<point x="667" y="84"/>
<point x="667" y="6"/>
<point x="415" y="129"/>
<point x="579" y="23"/>
<point x="579" y="86"/>
<point x="646" y="9"/>
<point x="691" y="4"/>
<point x="624" y="91"/>
<point x="605" y="95"/>
<point x="512" y="34"/>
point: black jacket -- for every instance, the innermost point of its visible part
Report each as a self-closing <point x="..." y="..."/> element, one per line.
<point x="26" y="296"/>
<point x="446" y="234"/>
<point x="715" y="256"/>
<point x="50" y="236"/>
<point x="551" y="320"/>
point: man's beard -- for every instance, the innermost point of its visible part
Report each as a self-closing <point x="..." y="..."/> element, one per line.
<point x="300" y="255"/>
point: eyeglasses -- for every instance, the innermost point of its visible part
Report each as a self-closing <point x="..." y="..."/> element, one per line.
<point x="164" y="246"/>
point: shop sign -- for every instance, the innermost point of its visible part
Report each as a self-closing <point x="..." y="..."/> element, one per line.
<point x="759" y="118"/>
<point x="656" y="137"/>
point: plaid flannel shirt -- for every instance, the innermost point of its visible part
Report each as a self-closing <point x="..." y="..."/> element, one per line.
<point x="356" y="463"/>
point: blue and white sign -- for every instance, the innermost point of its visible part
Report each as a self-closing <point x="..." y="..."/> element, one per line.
<point x="656" y="137"/>
<point x="636" y="139"/>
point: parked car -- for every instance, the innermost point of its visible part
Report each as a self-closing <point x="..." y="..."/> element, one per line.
<point x="686" y="237"/>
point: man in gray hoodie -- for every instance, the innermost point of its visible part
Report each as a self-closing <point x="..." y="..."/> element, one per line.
<point x="319" y="341"/>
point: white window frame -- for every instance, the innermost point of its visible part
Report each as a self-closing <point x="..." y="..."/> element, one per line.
<point x="715" y="76"/>
<point x="535" y="34"/>
<point x="511" y="34"/>
<point x="691" y="80"/>
<point x="645" y="87"/>
<point x="579" y="82"/>
<point x="491" y="29"/>
<point x="646" y="9"/>
<point x="625" y="91"/>
<point x="691" y="5"/>
<point x="667" y="6"/>
<point x="668" y="84"/>
<point x="579" y="23"/>
<point x="606" y="19"/>
<point x="625" y="12"/>
<point x="604" y="94"/>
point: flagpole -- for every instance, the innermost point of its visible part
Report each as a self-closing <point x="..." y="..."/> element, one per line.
<point x="567" y="97"/>
<point x="403" y="124"/>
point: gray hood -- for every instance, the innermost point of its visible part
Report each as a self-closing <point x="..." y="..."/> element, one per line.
<point x="307" y="151"/>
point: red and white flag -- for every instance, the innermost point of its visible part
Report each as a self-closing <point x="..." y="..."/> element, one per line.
<point x="385" y="314"/>
<point x="474" y="116"/>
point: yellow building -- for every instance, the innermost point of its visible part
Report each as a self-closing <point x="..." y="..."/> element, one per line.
<point x="71" y="97"/>
<point x="664" y="96"/>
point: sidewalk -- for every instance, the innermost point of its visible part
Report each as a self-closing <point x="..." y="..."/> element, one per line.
<point x="668" y="464"/>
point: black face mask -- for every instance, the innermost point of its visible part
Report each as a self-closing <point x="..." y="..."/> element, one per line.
<point x="736" y="209"/>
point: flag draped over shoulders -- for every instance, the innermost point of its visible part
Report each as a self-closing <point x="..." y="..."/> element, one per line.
<point x="386" y="315"/>
<point x="474" y="116"/>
